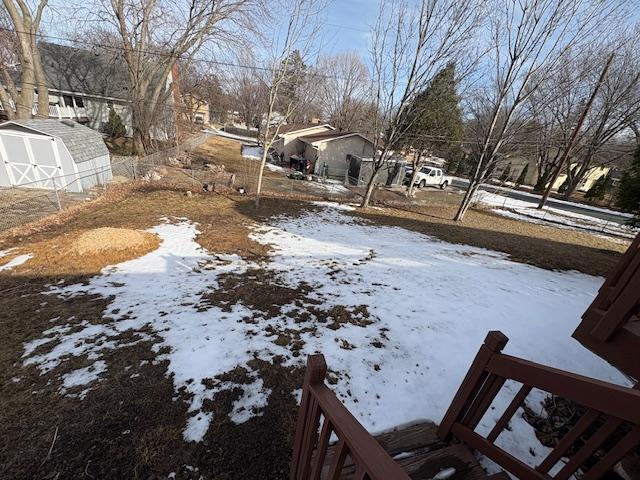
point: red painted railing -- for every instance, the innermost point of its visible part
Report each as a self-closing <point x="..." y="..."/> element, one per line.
<point x="321" y="414"/>
<point x="611" y="325"/>
<point x="612" y="413"/>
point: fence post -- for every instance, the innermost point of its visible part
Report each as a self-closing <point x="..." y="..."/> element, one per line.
<point x="315" y="373"/>
<point x="55" y="188"/>
<point x="494" y="342"/>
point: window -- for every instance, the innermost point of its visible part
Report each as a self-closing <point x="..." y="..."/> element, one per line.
<point x="433" y="173"/>
<point x="425" y="170"/>
<point x="68" y="100"/>
<point x="79" y="102"/>
<point x="109" y="104"/>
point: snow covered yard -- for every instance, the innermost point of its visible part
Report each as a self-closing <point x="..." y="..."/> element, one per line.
<point x="399" y="316"/>
<point x="520" y="210"/>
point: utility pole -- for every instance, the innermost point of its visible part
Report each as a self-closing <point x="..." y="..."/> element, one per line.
<point x="576" y="131"/>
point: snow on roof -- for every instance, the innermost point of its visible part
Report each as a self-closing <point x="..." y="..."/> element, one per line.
<point x="83" y="143"/>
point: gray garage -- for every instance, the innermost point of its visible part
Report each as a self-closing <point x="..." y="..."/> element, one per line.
<point x="48" y="153"/>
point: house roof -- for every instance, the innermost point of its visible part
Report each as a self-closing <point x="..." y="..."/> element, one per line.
<point x="93" y="73"/>
<point x="82" y="143"/>
<point x="100" y="73"/>
<point x="329" y="136"/>
<point x="298" y="127"/>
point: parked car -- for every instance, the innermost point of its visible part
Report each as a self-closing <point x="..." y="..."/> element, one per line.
<point x="428" y="177"/>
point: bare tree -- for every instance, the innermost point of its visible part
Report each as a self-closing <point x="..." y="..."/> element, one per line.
<point x="24" y="40"/>
<point x="248" y="92"/>
<point x="408" y="47"/>
<point x="552" y="110"/>
<point x="615" y="109"/>
<point x="298" y="43"/>
<point x="154" y="34"/>
<point x="344" y="86"/>
<point x="528" y="39"/>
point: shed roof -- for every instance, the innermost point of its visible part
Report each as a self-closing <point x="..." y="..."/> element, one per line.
<point x="83" y="143"/>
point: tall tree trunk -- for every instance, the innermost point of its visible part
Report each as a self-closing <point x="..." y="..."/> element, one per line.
<point x="41" y="81"/>
<point x="466" y="201"/>
<point x="416" y="164"/>
<point x="371" y="185"/>
<point x="6" y="103"/>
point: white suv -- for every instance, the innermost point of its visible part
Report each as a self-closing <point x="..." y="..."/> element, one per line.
<point x="427" y="176"/>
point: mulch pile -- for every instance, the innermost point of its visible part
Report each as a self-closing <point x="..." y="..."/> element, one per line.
<point x="104" y="239"/>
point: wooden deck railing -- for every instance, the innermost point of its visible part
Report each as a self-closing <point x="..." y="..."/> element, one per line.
<point x="610" y="409"/>
<point x="611" y="325"/>
<point x="321" y="411"/>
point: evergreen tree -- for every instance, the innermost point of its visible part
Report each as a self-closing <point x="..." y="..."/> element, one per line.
<point x="295" y="71"/>
<point x="523" y="175"/>
<point x="599" y="189"/>
<point x="115" y="127"/>
<point x="434" y="119"/>
<point x="628" y="198"/>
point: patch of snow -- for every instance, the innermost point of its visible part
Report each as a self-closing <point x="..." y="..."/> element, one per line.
<point x="438" y="301"/>
<point x="274" y="168"/>
<point x="521" y="210"/>
<point x="252" y="152"/>
<point x="335" y="205"/>
<point x="255" y="153"/>
<point x="16" y="261"/>
<point x="83" y="376"/>
<point x="329" y="187"/>
<point x="430" y="306"/>
<point x="255" y="397"/>
<point x="4" y="253"/>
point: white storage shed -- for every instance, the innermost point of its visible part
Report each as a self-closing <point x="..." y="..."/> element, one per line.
<point x="36" y="153"/>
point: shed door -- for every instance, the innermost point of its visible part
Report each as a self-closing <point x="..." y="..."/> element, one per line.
<point x="31" y="161"/>
<point x="45" y="162"/>
<point x="18" y="161"/>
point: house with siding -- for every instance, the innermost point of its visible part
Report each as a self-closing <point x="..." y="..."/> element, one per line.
<point x="287" y="144"/>
<point x="328" y="153"/>
<point x="84" y="85"/>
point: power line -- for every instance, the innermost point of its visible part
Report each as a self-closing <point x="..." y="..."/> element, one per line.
<point x="159" y="53"/>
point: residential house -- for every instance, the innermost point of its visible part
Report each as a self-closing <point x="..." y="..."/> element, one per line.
<point x="197" y="109"/>
<point x="592" y="175"/>
<point x="84" y="85"/>
<point x="328" y="152"/>
<point x="516" y="164"/>
<point x="286" y="143"/>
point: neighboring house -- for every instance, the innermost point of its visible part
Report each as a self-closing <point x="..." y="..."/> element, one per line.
<point x="328" y="152"/>
<point x="286" y="143"/>
<point x="592" y="175"/>
<point x="48" y="153"/>
<point x="197" y="108"/>
<point x="517" y="164"/>
<point x="84" y="85"/>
